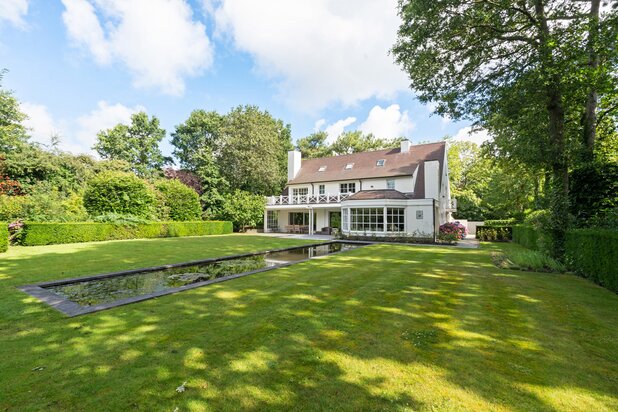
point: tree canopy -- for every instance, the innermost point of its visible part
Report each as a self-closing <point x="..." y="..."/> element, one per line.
<point x="137" y="143"/>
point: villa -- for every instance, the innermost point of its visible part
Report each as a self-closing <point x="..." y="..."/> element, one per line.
<point x="402" y="191"/>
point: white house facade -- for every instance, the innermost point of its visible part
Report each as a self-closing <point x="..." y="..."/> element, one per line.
<point x="403" y="191"/>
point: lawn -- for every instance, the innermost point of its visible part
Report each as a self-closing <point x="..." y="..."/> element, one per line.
<point x="383" y="327"/>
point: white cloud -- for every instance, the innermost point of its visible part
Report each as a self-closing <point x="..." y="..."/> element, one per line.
<point x="319" y="51"/>
<point x="477" y="136"/>
<point x="105" y="116"/>
<point x="80" y="135"/>
<point x="157" y="40"/>
<point x="318" y="124"/>
<point x="334" y="130"/>
<point x="40" y="123"/>
<point x="387" y="123"/>
<point x="13" y="12"/>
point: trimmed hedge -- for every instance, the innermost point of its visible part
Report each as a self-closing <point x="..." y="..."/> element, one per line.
<point x="593" y="254"/>
<point x="526" y="236"/>
<point x="494" y="233"/>
<point x="36" y="234"/>
<point x="4" y="237"/>
<point x="500" y="222"/>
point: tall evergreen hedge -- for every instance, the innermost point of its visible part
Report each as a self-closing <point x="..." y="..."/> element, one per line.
<point x="36" y="234"/>
<point x="593" y="253"/>
<point x="526" y="236"/>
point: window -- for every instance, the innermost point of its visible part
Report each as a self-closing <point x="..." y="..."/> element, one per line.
<point x="349" y="166"/>
<point x="395" y="219"/>
<point x="347" y="188"/>
<point x="321" y="189"/>
<point x="303" y="191"/>
<point x="380" y="162"/>
<point x="272" y="219"/>
<point x="298" y="218"/>
<point x="344" y="220"/>
<point x="390" y="184"/>
<point x="419" y="214"/>
<point x="367" y="219"/>
<point x="322" y="169"/>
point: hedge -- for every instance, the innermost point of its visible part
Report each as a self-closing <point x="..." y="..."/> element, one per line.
<point x="4" y="237"/>
<point x="494" y="233"/>
<point x="499" y="222"/>
<point x="526" y="236"/>
<point x="593" y="254"/>
<point x="36" y="234"/>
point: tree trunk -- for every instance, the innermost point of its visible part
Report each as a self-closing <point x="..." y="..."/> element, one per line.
<point x="589" y="119"/>
<point x="559" y="202"/>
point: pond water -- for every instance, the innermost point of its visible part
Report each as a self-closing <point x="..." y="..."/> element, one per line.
<point x="110" y="289"/>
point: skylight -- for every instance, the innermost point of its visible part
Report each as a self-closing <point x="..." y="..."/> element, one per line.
<point x="322" y="168"/>
<point x="349" y="166"/>
<point x="380" y="162"/>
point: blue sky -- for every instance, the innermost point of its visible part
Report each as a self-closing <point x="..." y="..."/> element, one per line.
<point x="79" y="66"/>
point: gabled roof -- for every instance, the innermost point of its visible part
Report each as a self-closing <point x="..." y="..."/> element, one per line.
<point x="365" y="165"/>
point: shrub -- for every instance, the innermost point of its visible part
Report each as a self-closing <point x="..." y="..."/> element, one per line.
<point x="120" y="219"/>
<point x="4" y="237"/>
<point x="243" y="209"/>
<point x="593" y="253"/>
<point x="122" y="193"/>
<point x="36" y="234"/>
<point x="594" y="190"/>
<point x="526" y="259"/>
<point x="540" y="222"/>
<point x="494" y="233"/>
<point x="500" y="222"/>
<point x="180" y="201"/>
<point x="526" y="236"/>
<point x="42" y="205"/>
<point x="453" y="228"/>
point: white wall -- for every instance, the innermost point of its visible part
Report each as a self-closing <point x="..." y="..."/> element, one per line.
<point x="432" y="179"/>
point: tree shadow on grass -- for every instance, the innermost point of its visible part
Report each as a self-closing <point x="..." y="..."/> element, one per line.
<point x="385" y="327"/>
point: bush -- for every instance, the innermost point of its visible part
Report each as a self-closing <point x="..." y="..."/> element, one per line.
<point x="122" y="193"/>
<point x="180" y="202"/>
<point x="526" y="259"/>
<point x="593" y="190"/>
<point x="120" y="219"/>
<point x="4" y="237"/>
<point x="243" y="209"/>
<point x="593" y="253"/>
<point x="494" y="233"/>
<point x="36" y="234"/>
<point x="526" y="236"/>
<point x="452" y="228"/>
<point x="42" y="205"/>
<point x="500" y="222"/>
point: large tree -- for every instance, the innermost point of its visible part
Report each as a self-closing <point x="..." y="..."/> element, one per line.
<point x="198" y="135"/>
<point x="137" y="143"/>
<point x="13" y="134"/>
<point x="470" y="56"/>
<point x="253" y="152"/>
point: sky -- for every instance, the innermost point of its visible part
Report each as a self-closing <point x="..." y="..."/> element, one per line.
<point x="81" y="66"/>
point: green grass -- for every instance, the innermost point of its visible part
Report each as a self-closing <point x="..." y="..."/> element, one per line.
<point x="386" y="327"/>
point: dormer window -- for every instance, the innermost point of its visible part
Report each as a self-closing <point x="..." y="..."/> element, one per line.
<point x="349" y="166"/>
<point x="322" y="169"/>
<point x="380" y="162"/>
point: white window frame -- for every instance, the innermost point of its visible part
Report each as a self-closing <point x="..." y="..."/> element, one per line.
<point x="347" y="187"/>
<point x="272" y="219"/>
<point x="390" y="184"/>
<point x="380" y="162"/>
<point x="322" y="189"/>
